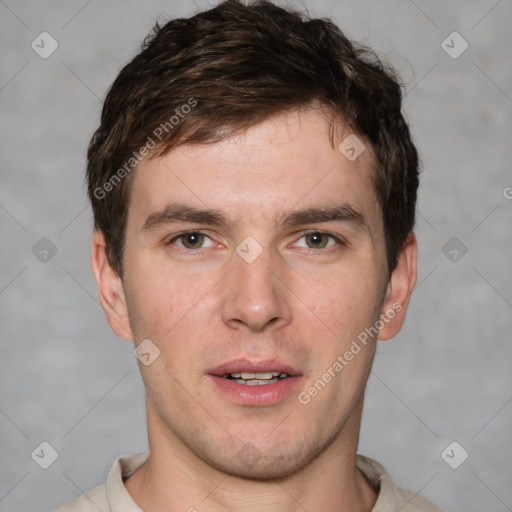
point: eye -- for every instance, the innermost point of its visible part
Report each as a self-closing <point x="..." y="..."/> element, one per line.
<point x="191" y="240"/>
<point x="318" y="240"/>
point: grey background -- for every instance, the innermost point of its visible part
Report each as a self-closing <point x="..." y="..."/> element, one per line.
<point x="66" y="379"/>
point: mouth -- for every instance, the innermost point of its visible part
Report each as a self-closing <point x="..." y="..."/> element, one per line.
<point x="253" y="373"/>
<point x="260" y="383"/>
<point x="256" y="379"/>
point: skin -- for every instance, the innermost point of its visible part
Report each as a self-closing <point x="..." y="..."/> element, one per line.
<point x="303" y="301"/>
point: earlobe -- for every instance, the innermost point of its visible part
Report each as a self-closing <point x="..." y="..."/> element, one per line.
<point x="399" y="290"/>
<point x="110" y="288"/>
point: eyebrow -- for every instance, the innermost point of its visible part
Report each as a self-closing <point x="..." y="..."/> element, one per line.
<point x="177" y="212"/>
<point x="339" y="213"/>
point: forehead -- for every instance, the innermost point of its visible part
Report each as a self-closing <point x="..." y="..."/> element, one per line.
<point x="284" y="162"/>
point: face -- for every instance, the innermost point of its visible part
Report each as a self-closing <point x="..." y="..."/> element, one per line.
<point x="263" y="253"/>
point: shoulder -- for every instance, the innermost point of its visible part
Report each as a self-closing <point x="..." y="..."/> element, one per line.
<point x="408" y="501"/>
<point x="111" y="496"/>
<point x="92" y="501"/>
<point x="391" y="498"/>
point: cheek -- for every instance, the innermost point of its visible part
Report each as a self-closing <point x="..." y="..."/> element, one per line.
<point x="343" y="302"/>
<point x="164" y="299"/>
<point x="343" y="307"/>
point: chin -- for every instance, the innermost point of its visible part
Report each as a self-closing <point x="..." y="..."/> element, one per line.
<point x="262" y="468"/>
<point x="275" y="461"/>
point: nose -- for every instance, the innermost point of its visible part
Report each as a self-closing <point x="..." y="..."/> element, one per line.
<point x="255" y="296"/>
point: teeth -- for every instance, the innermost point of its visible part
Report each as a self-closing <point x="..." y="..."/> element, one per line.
<point x="256" y="382"/>
<point x="266" y="375"/>
<point x="256" y="379"/>
<point x="257" y="376"/>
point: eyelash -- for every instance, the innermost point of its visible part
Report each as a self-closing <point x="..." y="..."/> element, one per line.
<point x="339" y="241"/>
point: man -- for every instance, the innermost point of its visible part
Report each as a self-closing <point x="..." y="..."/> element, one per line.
<point x="253" y="184"/>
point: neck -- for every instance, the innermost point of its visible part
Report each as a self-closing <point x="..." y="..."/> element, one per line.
<point x="175" y="478"/>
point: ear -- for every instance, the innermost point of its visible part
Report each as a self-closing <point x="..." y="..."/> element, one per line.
<point x="398" y="293"/>
<point x="110" y="288"/>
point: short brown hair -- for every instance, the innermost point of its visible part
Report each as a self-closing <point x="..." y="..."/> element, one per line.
<point x="234" y="66"/>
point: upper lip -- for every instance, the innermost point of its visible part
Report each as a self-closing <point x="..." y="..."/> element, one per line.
<point x="243" y="365"/>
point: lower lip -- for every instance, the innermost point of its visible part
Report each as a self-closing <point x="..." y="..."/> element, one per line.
<point x="256" y="396"/>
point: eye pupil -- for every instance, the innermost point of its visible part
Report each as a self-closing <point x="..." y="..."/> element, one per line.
<point x="316" y="240"/>
<point x="192" y="240"/>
